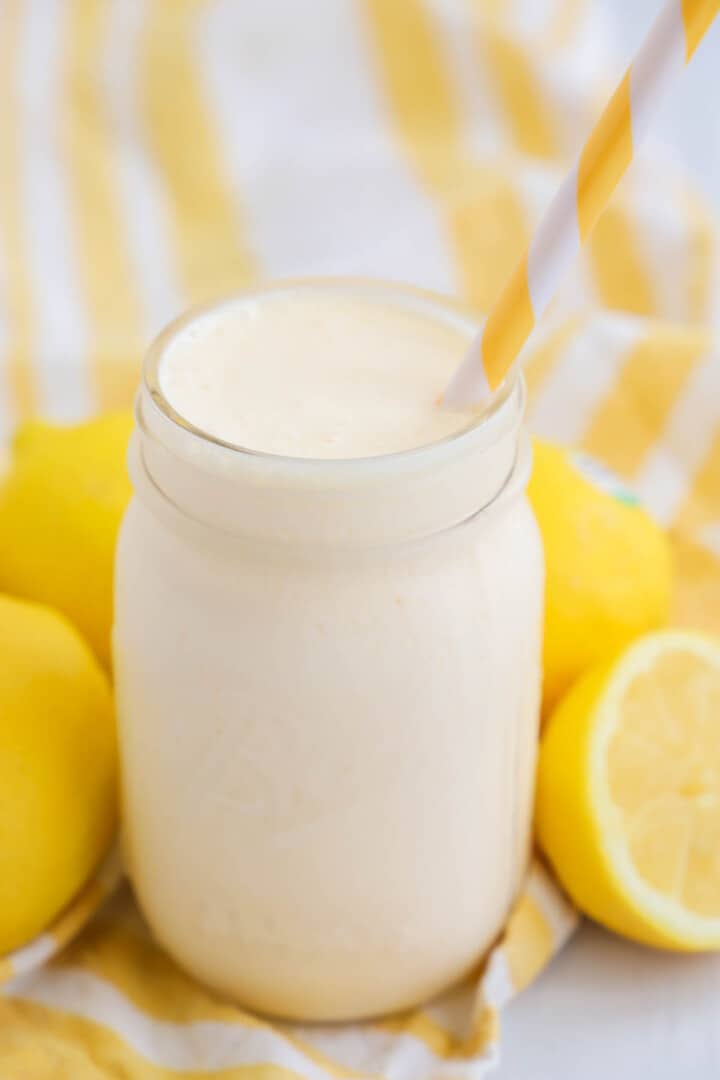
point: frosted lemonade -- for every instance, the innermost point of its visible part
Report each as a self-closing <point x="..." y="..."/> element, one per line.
<point x="327" y="646"/>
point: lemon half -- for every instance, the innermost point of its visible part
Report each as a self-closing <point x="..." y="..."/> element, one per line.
<point x="628" y="803"/>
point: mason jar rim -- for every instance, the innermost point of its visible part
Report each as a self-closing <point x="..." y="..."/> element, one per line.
<point x="512" y="390"/>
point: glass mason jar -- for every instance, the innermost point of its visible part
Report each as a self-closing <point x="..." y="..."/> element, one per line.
<point x="328" y="682"/>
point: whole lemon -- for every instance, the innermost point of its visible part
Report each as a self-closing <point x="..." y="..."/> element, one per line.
<point x="61" y="502"/>
<point x="57" y="767"/>
<point x="608" y="565"/>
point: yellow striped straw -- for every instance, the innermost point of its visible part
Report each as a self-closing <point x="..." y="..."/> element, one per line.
<point x="581" y="198"/>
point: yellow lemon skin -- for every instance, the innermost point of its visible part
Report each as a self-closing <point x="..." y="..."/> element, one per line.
<point x="600" y="741"/>
<point x="608" y="569"/>
<point x="61" y="502"/>
<point x="58" y="773"/>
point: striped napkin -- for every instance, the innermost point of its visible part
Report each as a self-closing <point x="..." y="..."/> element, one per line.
<point x="154" y="153"/>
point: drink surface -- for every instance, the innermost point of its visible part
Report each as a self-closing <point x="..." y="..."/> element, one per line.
<point x="316" y="374"/>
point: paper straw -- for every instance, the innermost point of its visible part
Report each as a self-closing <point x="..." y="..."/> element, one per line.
<point x="581" y="198"/>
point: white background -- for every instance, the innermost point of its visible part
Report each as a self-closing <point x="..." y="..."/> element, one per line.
<point x="607" y="1010"/>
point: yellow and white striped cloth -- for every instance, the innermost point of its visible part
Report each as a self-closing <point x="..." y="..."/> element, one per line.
<point x="156" y="152"/>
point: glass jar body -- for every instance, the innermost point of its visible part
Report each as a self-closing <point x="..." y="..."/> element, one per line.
<point x="328" y="746"/>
